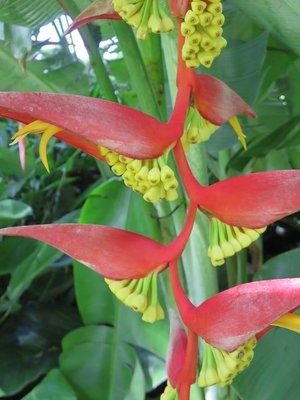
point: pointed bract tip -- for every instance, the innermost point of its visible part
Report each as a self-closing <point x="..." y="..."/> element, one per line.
<point x="230" y="318"/>
<point x="217" y="102"/>
<point x="176" y="349"/>
<point x="99" y="9"/>
<point x="113" y="253"/>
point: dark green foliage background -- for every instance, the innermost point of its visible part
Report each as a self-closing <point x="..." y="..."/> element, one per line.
<point x="63" y="335"/>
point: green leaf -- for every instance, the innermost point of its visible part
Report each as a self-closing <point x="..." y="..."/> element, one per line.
<point x="10" y="163"/>
<point x="40" y="76"/>
<point x="274" y="371"/>
<point x="32" y="265"/>
<point x="281" y="17"/>
<point x="30" y="344"/>
<point x="31" y="13"/>
<point x="53" y="387"/>
<point x="13" y="210"/>
<point x="285" y="265"/>
<point x="261" y="145"/>
<point x="113" y="204"/>
<point x="99" y="365"/>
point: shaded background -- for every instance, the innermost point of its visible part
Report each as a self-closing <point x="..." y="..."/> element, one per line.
<point x="63" y="335"/>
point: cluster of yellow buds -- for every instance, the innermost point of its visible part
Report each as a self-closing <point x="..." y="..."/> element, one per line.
<point x="145" y="15"/>
<point x="169" y="393"/>
<point x="202" y="29"/>
<point x="139" y="294"/>
<point x="196" y="129"/>
<point x="226" y="240"/>
<point x="154" y="179"/>
<point x="221" y="367"/>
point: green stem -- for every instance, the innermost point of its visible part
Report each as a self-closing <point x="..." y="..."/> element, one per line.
<point x="106" y="87"/>
<point x="151" y="52"/>
<point x="242" y="267"/>
<point x="231" y="270"/>
<point x="136" y="68"/>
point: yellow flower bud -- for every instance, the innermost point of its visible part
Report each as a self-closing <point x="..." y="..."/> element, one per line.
<point x="194" y="39"/>
<point x="137" y="301"/>
<point x="191" y="18"/>
<point x="142" y="175"/>
<point x="128" y="175"/>
<point x="192" y="63"/>
<point x="216" y="255"/>
<point x="187" y="29"/>
<point x="154" y="176"/>
<point x="214" y="31"/>
<point x="166" y="173"/>
<point x="218" y="20"/>
<point x="167" y="24"/>
<point x="125" y="160"/>
<point x="152" y="195"/>
<point x="193" y="135"/>
<point x="155" y="24"/>
<point x="198" y="6"/>
<point x="150" y="314"/>
<point x="134" y="166"/>
<point x="206" y="42"/>
<point x="205" y="19"/>
<point x="130" y="9"/>
<point x="170" y="184"/>
<point x="111" y="158"/>
<point x="103" y="150"/>
<point x="171" y="195"/>
<point x="227" y="249"/>
<point x="205" y="59"/>
<point x="243" y="239"/>
<point x="221" y="43"/>
<point x="123" y="293"/>
<point x="135" y="20"/>
<point x="254" y="235"/>
<point x="215" y="8"/>
<point x="118" y="168"/>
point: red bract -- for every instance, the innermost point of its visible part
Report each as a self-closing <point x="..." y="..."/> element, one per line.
<point x="251" y="201"/>
<point x="216" y="102"/>
<point x="89" y="122"/>
<point x="176" y="350"/>
<point x="228" y="319"/>
<point x="100" y="9"/>
<point x="247" y="309"/>
<point x="112" y="252"/>
<point x="179" y="7"/>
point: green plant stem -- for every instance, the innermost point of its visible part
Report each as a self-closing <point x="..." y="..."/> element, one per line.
<point x="151" y="52"/>
<point x="242" y="267"/>
<point x="140" y="81"/>
<point x="231" y="271"/>
<point x="201" y="277"/>
<point x="106" y="87"/>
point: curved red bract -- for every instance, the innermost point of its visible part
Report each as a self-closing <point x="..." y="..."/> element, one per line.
<point x="176" y="349"/>
<point x="102" y="9"/>
<point x="98" y="121"/>
<point x="233" y="316"/>
<point x="95" y="122"/>
<point x="112" y="252"/>
<point x="216" y="102"/>
<point x="253" y="200"/>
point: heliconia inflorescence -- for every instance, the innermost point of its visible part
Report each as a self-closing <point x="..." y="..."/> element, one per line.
<point x="139" y="150"/>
